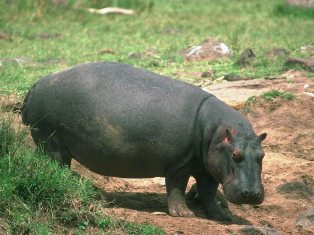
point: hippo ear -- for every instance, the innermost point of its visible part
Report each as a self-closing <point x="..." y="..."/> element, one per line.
<point x="222" y="134"/>
<point x="261" y="137"/>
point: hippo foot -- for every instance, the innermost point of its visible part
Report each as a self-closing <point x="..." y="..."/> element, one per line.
<point x="217" y="213"/>
<point x="180" y="211"/>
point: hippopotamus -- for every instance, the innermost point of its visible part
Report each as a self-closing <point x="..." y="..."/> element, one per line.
<point x="122" y="121"/>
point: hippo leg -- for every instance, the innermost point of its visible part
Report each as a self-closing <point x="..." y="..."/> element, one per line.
<point x="176" y="184"/>
<point x="207" y="189"/>
<point x="52" y="146"/>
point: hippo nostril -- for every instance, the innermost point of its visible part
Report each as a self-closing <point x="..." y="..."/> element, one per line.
<point x="246" y="193"/>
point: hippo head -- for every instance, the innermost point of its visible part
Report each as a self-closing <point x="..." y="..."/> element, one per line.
<point x="235" y="161"/>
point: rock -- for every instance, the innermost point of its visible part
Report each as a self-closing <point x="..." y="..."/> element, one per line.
<point x="231" y="77"/>
<point x="306" y="63"/>
<point x="301" y="3"/>
<point x="250" y="230"/>
<point x="269" y="231"/>
<point x="277" y="52"/>
<point x="246" y="57"/>
<point x="305" y="219"/>
<point x="295" y="189"/>
<point x="210" y="49"/>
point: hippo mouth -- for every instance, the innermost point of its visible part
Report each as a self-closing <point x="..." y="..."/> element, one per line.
<point x="239" y="197"/>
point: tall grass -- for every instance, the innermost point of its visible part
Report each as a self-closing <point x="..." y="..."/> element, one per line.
<point x="37" y="196"/>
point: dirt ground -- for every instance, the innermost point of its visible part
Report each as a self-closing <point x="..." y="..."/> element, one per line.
<point x="289" y="160"/>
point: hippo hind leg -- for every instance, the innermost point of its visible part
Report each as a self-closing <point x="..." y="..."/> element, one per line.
<point x="50" y="144"/>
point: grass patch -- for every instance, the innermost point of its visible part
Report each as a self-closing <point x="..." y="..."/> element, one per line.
<point x="53" y="37"/>
<point x="285" y="10"/>
<point x="273" y="94"/>
<point x="37" y="196"/>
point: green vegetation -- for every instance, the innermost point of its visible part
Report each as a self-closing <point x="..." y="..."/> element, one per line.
<point x="48" y="37"/>
<point x="37" y="196"/>
<point x="273" y="94"/>
<point x="268" y="96"/>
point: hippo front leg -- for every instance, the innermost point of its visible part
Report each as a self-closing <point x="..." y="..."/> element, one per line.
<point x="207" y="189"/>
<point x="176" y="184"/>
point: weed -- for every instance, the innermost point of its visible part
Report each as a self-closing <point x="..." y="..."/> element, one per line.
<point x="273" y="94"/>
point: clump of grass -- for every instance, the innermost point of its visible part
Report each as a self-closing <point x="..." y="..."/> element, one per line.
<point x="273" y="94"/>
<point x="38" y="196"/>
<point x="294" y="11"/>
<point x="7" y="137"/>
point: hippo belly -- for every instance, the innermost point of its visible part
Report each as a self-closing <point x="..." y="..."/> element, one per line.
<point x="115" y="119"/>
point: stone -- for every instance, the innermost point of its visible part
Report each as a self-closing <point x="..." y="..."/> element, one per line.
<point x="246" y="58"/>
<point x="269" y="231"/>
<point x="210" y="49"/>
<point x="305" y="219"/>
<point x="250" y="230"/>
<point x="295" y="189"/>
<point x="307" y="63"/>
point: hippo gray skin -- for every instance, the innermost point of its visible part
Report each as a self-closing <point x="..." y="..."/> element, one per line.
<point x="121" y="121"/>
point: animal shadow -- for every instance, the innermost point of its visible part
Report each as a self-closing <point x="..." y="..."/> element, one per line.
<point x="157" y="202"/>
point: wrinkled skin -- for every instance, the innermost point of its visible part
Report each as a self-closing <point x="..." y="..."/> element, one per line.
<point x="237" y="167"/>
<point x="126" y="122"/>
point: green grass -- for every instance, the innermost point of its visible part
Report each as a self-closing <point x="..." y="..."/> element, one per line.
<point x="259" y="24"/>
<point x="37" y="196"/>
<point x="273" y="94"/>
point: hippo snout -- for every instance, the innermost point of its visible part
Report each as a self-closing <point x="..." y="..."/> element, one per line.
<point x="240" y="195"/>
<point x="254" y="196"/>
